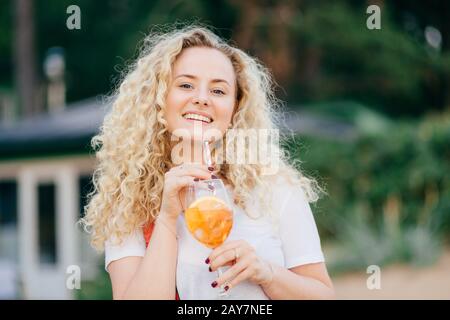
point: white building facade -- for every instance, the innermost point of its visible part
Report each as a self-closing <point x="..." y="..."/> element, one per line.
<point x="46" y="166"/>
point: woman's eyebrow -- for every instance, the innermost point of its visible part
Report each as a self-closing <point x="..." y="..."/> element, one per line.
<point x="190" y="76"/>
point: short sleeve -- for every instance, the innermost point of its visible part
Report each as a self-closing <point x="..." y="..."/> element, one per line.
<point x="132" y="246"/>
<point x="298" y="231"/>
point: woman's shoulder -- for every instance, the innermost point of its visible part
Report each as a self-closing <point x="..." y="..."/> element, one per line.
<point x="134" y="238"/>
<point x="128" y="245"/>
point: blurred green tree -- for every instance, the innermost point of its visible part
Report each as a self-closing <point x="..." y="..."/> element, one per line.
<point x="317" y="50"/>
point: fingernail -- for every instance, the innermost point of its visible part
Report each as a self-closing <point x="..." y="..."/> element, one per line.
<point x="210" y="187"/>
<point x="196" y="179"/>
<point x="207" y="260"/>
<point x="211" y="168"/>
<point x="210" y="270"/>
<point x="213" y="176"/>
<point x="214" y="284"/>
<point x="226" y="288"/>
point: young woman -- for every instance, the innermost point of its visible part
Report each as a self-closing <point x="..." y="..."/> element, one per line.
<point x="183" y="80"/>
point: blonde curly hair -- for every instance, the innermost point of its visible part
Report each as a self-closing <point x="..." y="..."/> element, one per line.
<point x="133" y="146"/>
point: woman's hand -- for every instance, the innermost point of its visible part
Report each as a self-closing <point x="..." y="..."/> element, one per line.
<point x="245" y="265"/>
<point x="175" y="180"/>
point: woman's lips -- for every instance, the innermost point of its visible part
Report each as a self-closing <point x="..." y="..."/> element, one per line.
<point x="199" y="121"/>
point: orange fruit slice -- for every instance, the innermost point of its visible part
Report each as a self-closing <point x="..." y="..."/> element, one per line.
<point x="209" y="220"/>
<point x="208" y="202"/>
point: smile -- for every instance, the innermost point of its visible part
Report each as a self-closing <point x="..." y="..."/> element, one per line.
<point x="197" y="117"/>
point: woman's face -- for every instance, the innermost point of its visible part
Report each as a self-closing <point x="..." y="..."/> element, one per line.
<point x="202" y="93"/>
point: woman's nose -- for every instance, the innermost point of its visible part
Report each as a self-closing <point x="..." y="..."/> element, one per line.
<point x="201" y="101"/>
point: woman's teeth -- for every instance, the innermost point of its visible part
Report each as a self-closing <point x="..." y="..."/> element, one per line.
<point x="193" y="116"/>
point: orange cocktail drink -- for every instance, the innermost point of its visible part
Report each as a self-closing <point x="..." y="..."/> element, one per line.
<point x="209" y="220"/>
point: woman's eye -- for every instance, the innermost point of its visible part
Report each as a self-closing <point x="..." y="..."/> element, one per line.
<point x="218" y="91"/>
<point x="186" y="86"/>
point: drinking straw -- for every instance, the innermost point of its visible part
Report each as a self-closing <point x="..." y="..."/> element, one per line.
<point x="207" y="158"/>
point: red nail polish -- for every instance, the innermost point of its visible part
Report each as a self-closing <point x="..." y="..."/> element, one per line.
<point x="207" y="260"/>
<point x="210" y="270"/>
<point x="196" y="179"/>
<point x="214" y="284"/>
<point x="211" y="168"/>
<point x="226" y="288"/>
<point x="213" y="176"/>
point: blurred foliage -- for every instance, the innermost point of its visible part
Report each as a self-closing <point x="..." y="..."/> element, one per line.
<point x="364" y="119"/>
<point x="99" y="289"/>
<point x="388" y="68"/>
<point x="6" y="44"/>
<point x="360" y="244"/>
<point x="321" y="46"/>
<point x="110" y="35"/>
<point x="388" y="191"/>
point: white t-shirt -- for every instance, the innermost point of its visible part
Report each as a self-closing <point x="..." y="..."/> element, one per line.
<point x="293" y="243"/>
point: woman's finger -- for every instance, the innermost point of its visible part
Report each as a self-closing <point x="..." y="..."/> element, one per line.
<point x="190" y="166"/>
<point x="225" y="258"/>
<point x="232" y="273"/>
<point x="240" y="245"/>
<point x="192" y="174"/>
<point x="244" y="275"/>
<point x="182" y="182"/>
<point x="193" y="171"/>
